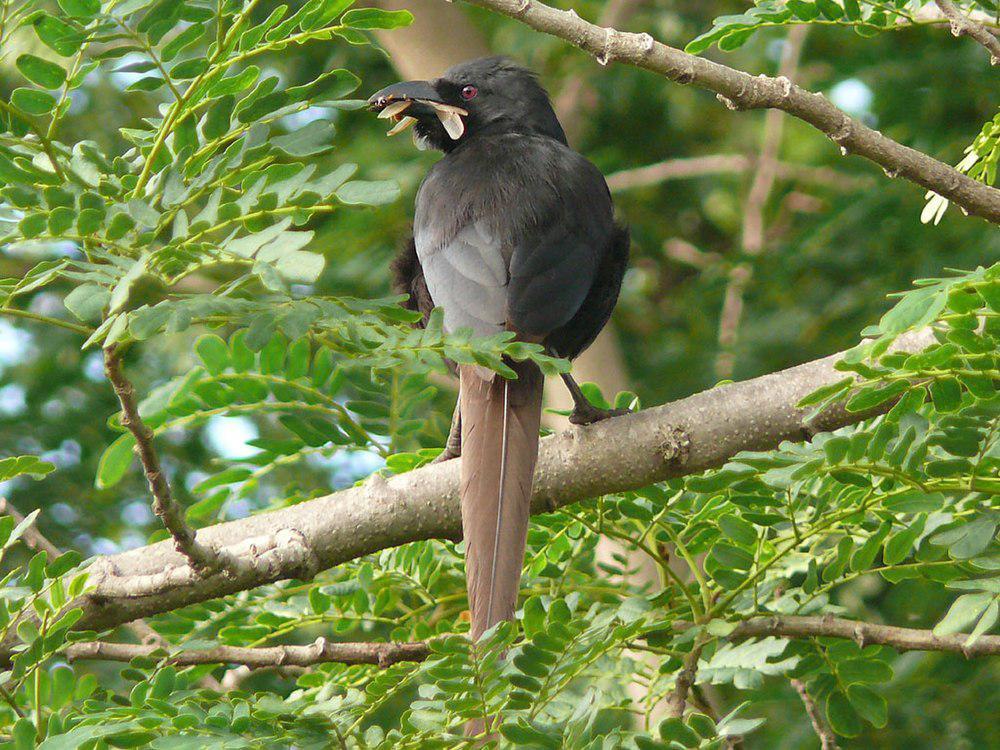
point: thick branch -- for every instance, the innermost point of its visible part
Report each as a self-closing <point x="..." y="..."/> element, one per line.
<point x="318" y="652"/>
<point x="36" y="540"/>
<point x="863" y="633"/>
<point x="962" y="25"/>
<point x="688" y="436"/>
<point x="826" y="737"/>
<point x="163" y="503"/>
<point x="739" y="90"/>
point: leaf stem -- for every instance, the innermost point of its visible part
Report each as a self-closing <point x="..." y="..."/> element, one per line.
<point x="15" y="313"/>
<point x="42" y="138"/>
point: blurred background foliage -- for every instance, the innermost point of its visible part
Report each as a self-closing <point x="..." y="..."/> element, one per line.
<point x="833" y="253"/>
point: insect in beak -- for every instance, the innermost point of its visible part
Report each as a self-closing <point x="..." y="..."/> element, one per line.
<point x="449" y="116"/>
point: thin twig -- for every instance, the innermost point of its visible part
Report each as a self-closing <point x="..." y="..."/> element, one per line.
<point x="826" y="737"/>
<point x="319" y="652"/>
<point x="36" y="540"/>
<point x="45" y="143"/>
<point x="962" y="25"/>
<point x="684" y="252"/>
<point x="201" y="558"/>
<point x="683" y="682"/>
<point x="714" y="164"/>
<point x="9" y="700"/>
<point x="863" y="633"/>
<point x="32" y="536"/>
<point x="752" y="234"/>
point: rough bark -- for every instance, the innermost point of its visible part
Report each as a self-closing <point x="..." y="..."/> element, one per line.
<point x="963" y="25"/>
<point x="320" y="651"/>
<point x="865" y="634"/>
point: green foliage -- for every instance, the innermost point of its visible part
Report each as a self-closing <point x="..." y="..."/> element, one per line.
<point x="199" y="235"/>
<point x="864" y="17"/>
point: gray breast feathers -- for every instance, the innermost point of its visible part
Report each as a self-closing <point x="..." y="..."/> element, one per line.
<point x="466" y="273"/>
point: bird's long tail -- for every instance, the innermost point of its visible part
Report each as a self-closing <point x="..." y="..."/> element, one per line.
<point x="500" y="421"/>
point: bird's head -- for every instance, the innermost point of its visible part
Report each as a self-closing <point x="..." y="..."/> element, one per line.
<point x="487" y="96"/>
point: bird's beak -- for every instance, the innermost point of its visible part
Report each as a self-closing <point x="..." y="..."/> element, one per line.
<point x="419" y="98"/>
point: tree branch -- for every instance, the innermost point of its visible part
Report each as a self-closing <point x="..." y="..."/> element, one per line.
<point x="32" y="536"/>
<point x="685" y="679"/>
<point x="688" y="436"/>
<point x="962" y="25"/>
<point x="739" y="90"/>
<point x="863" y="633"/>
<point x="826" y="738"/>
<point x="318" y="652"/>
<point x="36" y="540"/>
<point x="163" y="503"/>
<point x="712" y="164"/>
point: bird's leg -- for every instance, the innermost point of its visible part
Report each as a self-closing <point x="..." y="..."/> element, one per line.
<point x="585" y="412"/>
<point x="453" y="445"/>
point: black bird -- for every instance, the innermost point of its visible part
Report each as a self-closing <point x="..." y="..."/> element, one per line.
<point x="513" y="231"/>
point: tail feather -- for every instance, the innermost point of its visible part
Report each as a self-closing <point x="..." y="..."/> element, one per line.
<point x="500" y="420"/>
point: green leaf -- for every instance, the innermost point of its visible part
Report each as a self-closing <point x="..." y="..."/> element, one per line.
<point x="114" y="462"/>
<point x="219" y="117"/>
<point x="915" y="309"/>
<point x="872" y="706"/>
<point x="738" y="530"/>
<point x="729" y="556"/>
<point x="58" y="35"/>
<point x="967" y="540"/>
<point x="46" y="74"/>
<point x="368" y="193"/>
<point x="314" y="138"/>
<point x="24" y="465"/>
<point x="965" y="610"/>
<point x="946" y="393"/>
<point x="376" y="18"/>
<point x="986" y="622"/>
<point x="82" y="9"/>
<point x="842" y="716"/>
<point x="863" y="669"/>
<point x="213" y="351"/>
<point x="872" y="396"/>
<point x="87" y="302"/>
<point x="863" y="558"/>
<point x="675" y="730"/>
<point x="826" y="392"/>
<point x="830" y="9"/>
<point x="237" y="83"/>
<point x="33" y="101"/>
<point x="803" y="9"/>
<point x="899" y="546"/>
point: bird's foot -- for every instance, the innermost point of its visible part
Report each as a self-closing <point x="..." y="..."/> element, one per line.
<point x="588" y="414"/>
<point x="446" y="455"/>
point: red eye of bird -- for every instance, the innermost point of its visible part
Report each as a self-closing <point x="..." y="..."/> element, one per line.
<point x="469" y="92"/>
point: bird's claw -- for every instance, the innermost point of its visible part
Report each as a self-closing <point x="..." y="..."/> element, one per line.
<point x="446" y="455"/>
<point x="584" y="415"/>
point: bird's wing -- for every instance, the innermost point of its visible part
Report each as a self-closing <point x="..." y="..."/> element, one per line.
<point x="517" y="247"/>
<point x="466" y="274"/>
